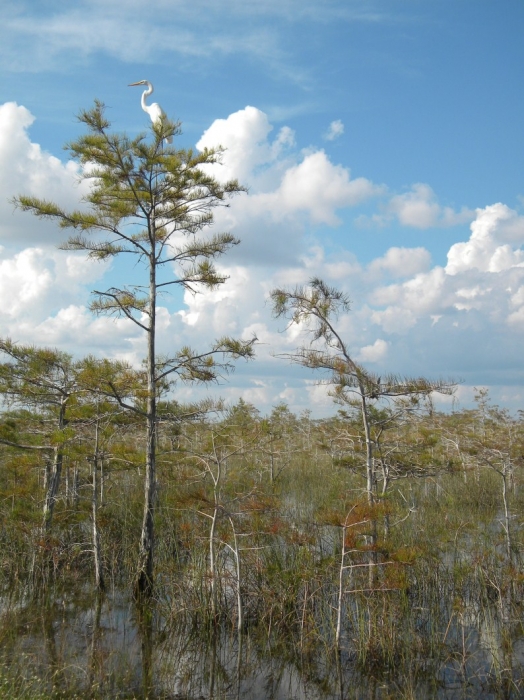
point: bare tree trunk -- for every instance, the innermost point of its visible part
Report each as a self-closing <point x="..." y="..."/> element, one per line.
<point x="52" y="489"/>
<point x="212" y="564"/>
<point x="370" y="467"/>
<point x="506" y="511"/>
<point x="340" y="596"/>
<point x="217" y="479"/>
<point x="101" y="482"/>
<point x="145" y="627"/>
<point x="47" y="474"/>
<point x="370" y="488"/>
<point x="97" y="551"/>
<point x="75" y="487"/>
<point x="240" y="613"/>
<point x="94" y="650"/>
<point x="240" y="609"/>
<point x="144" y="581"/>
<point x="53" y="482"/>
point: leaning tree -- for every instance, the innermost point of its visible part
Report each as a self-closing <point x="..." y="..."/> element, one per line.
<point x="153" y="201"/>
<point x="316" y="307"/>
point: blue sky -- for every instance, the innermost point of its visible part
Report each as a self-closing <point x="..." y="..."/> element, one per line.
<point x="382" y="143"/>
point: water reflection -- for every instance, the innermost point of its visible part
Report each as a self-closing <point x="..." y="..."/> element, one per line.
<point x="106" y="647"/>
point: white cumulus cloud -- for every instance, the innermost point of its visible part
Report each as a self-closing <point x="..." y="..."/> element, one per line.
<point x="244" y="135"/>
<point x="320" y="188"/>
<point x="35" y="281"/>
<point x="478" y="295"/>
<point x="487" y="249"/>
<point x="288" y="189"/>
<point x="419" y="208"/>
<point x="402" y="262"/>
<point x="27" y="169"/>
<point x="374" y="353"/>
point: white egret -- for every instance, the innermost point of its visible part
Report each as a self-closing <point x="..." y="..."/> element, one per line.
<point x="154" y="110"/>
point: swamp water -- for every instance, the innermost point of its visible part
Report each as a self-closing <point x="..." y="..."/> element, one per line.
<point x="104" y="648"/>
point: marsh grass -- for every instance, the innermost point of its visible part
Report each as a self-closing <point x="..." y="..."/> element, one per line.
<point x="431" y="603"/>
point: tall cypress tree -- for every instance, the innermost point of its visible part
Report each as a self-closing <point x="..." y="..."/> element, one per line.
<point x="154" y="201"/>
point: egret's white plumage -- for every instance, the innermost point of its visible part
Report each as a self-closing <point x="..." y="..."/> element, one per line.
<point x="154" y="110"/>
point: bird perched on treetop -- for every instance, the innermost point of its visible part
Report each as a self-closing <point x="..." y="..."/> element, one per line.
<point x="154" y="110"/>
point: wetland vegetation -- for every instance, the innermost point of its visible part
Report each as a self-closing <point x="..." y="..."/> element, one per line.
<point x="275" y="577"/>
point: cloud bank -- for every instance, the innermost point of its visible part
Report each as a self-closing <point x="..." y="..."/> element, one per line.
<point x="464" y="319"/>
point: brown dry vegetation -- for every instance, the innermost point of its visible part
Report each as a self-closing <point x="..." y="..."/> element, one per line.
<point x="268" y="548"/>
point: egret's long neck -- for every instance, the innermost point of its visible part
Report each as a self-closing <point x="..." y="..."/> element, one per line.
<point x="145" y="94"/>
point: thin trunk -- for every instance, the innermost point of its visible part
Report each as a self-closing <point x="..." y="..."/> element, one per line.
<point x="506" y="513"/>
<point x="95" y="653"/>
<point x="97" y="550"/>
<point x="212" y="556"/>
<point x="340" y="676"/>
<point x="47" y="474"/>
<point x="240" y="609"/>
<point x="52" y="489"/>
<point x="53" y="481"/>
<point x="144" y="583"/>
<point x="76" y="483"/>
<point x="370" y="487"/>
<point x="272" y="462"/>
<point x="145" y="627"/>
<point x="101" y="482"/>
<point x="385" y="478"/>
<point x="340" y="596"/>
<point x="217" y="479"/>
<point x="386" y="526"/>
<point x="370" y="471"/>
<point x="212" y="564"/>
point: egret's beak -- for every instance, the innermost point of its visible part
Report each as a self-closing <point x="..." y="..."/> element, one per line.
<point x="132" y="84"/>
